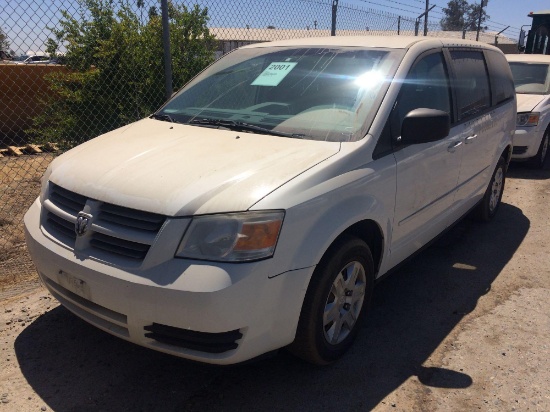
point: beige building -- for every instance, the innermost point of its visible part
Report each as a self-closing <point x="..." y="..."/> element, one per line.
<point x="230" y="38"/>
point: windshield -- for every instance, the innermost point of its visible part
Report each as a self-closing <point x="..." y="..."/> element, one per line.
<point x="530" y="78"/>
<point x="311" y="93"/>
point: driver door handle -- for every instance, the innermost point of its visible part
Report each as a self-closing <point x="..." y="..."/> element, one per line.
<point x="469" y="139"/>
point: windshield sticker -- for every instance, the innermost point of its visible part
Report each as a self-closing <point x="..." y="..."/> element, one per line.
<point x="273" y="74"/>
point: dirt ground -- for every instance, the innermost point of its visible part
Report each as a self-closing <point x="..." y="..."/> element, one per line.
<point x="19" y="186"/>
<point x="464" y="326"/>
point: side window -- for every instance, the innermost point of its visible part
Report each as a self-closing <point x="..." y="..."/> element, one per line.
<point x="426" y="86"/>
<point x="472" y="82"/>
<point x="502" y="82"/>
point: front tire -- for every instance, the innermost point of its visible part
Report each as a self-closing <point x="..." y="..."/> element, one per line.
<point x="490" y="203"/>
<point x="336" y="301"/>
<point x="537" y="162"/>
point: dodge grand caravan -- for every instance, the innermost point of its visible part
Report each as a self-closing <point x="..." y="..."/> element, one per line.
<point x="258" y="206"/>
<point x="532" y="80"/>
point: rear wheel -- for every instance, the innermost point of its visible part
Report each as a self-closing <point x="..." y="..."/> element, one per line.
<point x="490" y="203"/>
<point x="537" y="162"/>
<point x="335" y="303"/>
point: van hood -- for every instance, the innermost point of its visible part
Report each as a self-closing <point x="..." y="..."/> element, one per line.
<point x="181" y="170"/>
<point x="528" y="102"/>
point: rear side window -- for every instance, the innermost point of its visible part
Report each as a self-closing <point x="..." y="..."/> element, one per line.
<point x="472" y="83"/>
<point x="502" y="83"/>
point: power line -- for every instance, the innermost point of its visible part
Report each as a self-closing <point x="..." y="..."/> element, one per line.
<point x="390" y="7"/>
<point x="422" y="8"/>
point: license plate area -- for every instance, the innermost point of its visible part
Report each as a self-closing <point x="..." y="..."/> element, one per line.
<point x="74" y="284"/>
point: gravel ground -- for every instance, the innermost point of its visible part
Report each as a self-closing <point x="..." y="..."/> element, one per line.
<point x="463" y="326"/>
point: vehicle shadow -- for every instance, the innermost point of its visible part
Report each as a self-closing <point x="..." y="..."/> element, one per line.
<point x="73" y="366"/>
<point x="522" y="170"/>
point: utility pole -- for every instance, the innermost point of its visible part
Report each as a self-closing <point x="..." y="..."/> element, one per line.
<point x="417" y="23"/>
<point x="334" y="9"/>
<point x="426" y="18"/>
<point x="483" y="3"/>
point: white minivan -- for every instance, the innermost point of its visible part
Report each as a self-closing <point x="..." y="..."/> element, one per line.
<point x="256" y="209"/>
<point x="531" y="73"/>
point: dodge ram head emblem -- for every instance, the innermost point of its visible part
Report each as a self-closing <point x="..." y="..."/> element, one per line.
<point x="82" y="222"/>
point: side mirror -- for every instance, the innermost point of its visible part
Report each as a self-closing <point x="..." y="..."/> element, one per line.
<point x="425" y="125"/>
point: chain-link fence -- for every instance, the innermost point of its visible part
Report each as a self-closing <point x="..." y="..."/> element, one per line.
<point x="74" y="69"/>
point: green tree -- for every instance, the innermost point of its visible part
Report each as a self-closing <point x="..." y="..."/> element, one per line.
<point x="115" y="67"/>
<point x="455" y="13"/>
<point x="472" y="19"/>
<point x="460" y="15"/>
<point x="4" y="43"/>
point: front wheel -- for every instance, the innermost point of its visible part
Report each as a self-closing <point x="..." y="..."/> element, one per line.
<point x="490" y="203"/>
<point x="537" y="162"/>
<point x="335" y="303"/>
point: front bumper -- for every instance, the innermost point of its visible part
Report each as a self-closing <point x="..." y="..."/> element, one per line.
<point x="214" y="313"/>
<point x="526" y="142"/>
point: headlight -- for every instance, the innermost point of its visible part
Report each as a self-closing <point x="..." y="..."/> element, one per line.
<point x="527" y="119"/>
<point x="234" y="237"/>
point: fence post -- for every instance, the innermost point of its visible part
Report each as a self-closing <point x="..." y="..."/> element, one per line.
<point x="416" y="25"/>
<point x="399" y="25"/>
<point x="166" y="46"/>
<point x="334" y="9"/>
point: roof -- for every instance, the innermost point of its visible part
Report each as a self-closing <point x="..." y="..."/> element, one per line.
<point x="259" y="35"/>
<point x="538" y="13"/>
<point x="391" y="42"/>
<point x="528" y="58"/>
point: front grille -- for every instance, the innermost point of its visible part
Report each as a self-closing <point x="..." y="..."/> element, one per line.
<point x="190" y="339"/>
<point x="115" y="230"/>
<point x="519" y="150"/>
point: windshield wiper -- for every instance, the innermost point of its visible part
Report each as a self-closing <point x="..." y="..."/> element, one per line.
<point x="163" y="117"/>
<point x="241" y="126"/>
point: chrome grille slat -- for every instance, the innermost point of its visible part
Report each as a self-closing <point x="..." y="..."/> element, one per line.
<point x="124" y="232"/>
<point x="66" y="200"/>
<point x="131" y="217"/>
<point x="61" y="225"/>
<point x="126" y="248"/>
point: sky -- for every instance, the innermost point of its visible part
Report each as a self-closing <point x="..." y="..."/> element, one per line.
<point x="504" y="12"/>
<point x="26" y="21"/>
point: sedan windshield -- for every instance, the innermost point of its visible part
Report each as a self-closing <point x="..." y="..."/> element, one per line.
<point x="309" y="93"/>
<point x="530" y="78"/>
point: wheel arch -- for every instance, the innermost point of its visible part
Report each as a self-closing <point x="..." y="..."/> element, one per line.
<point x="369" y="232"/>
